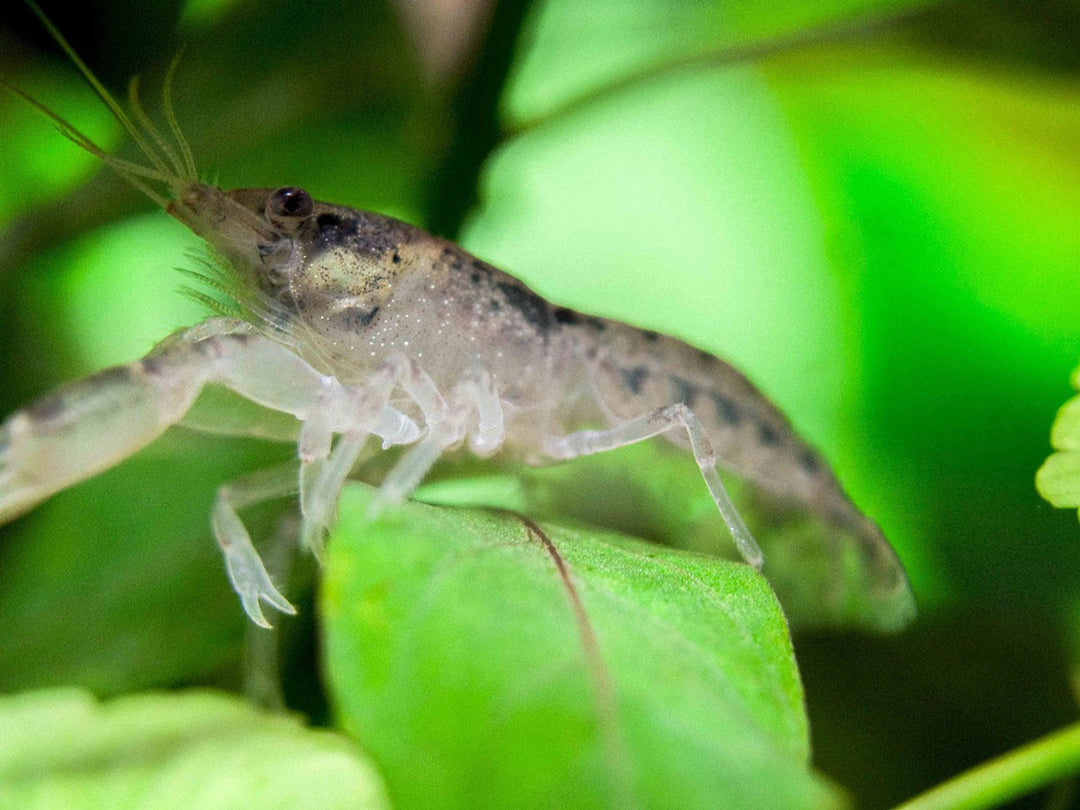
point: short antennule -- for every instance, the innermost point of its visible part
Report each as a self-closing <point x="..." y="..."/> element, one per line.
<point x="189" y="173"/>
<point x="143" y="120"/>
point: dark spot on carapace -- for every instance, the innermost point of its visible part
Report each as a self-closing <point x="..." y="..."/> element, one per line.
<point x="726" y="410"/>
<point x="356" y="318"/>
<point x="767" y="434"/>
<point x="566" y="316"/>
<point x="396" y="258"/>
<point x="334" y="230"/>
<point x="650" y="336"/>
<point x="841" y="517"/>
<point x="532" y="307"/>
<point x="569" y="317"/>
<point x="456" y="259"/>
<point x="479" y="272"/>
<point x="710" y="361"/>
<point x="634" y="377"/>
<point x="685" y="391"/>
<point x="809" y="461"/>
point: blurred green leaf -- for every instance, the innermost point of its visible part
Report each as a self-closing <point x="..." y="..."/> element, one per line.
<point x="1065" y="432"/>
<point x="1058" y="480"/>
<point x="82" y="284"/>
<point x="117" y="584"/>
<point x="38" y="169"/>
<point x="189" y="749"/>
<point x="454" y="657"/>
<point x="582" y="49"/>
<point x="925" y="172"/>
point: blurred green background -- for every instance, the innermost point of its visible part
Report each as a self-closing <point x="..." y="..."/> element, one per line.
<point x="872" y="208"/>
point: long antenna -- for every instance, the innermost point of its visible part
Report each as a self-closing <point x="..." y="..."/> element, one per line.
<point x="99" y="88"/>
<point x="173" y="168"/>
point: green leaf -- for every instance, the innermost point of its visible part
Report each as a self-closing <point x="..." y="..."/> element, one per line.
<point x="823" y="575"/>
<point x="454" y="656"/>
<point x="1065" y="434"/>
<point x="579" y="50"/>
<point x="194" y="749"/>
<point x="1058" y="480"/>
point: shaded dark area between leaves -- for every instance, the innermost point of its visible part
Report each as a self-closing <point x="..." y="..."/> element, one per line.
<point x="474" y="113"/>
<point x="1024" y="34"/>
<point x="120" y="39"/>
<point x="909" y="712"/>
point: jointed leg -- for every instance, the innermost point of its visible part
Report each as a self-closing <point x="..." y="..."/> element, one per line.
<point x="260" y="665"/>
<point x="323" y="473"/>
<point x="488" y="434"/>
<point x="321" y="481"/>
<point x="247" y="573"/>
<point x="420" y="387"/>
<point x="474" y="411"/>
<point x="586" y="442"/>
<point x="414" y="465"/>
<point x="93" y="424"/>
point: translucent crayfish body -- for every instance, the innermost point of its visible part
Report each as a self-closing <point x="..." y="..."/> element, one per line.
<point x="360" y="326"/>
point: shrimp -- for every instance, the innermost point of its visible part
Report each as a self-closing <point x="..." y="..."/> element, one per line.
<point x="360" y="326"/>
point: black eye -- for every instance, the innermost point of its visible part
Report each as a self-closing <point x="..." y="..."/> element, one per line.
<point x="289" y="202"/>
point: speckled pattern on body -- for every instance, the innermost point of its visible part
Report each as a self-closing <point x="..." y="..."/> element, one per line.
<point x="361" y="326"/>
